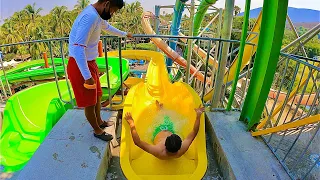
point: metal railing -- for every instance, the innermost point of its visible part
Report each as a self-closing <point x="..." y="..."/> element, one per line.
<point x="294" y="97"/>
<point x="211" y="46"/>
<point x="110" y="42"/>
<point x="203" y="64"/>
<point x="293" y="71"/>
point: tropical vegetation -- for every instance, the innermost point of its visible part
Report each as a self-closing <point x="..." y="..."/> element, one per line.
<point x="28" y="25"/>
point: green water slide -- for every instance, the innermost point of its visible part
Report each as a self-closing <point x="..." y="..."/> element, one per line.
<point x="28" y="117"/>
<point x="30" y="64"/>
<point x="199" y="16"/>
<point x="24" y="72"/>
<point x="30" y="114"/>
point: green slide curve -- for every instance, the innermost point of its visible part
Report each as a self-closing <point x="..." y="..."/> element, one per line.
<point x="30" y="114"/>
<point x="199" y="16"/>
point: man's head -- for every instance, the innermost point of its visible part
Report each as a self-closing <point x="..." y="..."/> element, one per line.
<point x="173" y="143"/>
<point x="109" y="7"/>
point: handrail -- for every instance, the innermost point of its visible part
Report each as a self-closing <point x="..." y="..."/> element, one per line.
<point x="134" y="36"/>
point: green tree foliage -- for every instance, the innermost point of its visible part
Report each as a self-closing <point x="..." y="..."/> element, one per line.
<point x="129" y="18"/>
<point x="237" y="10"/>
<point x="32" y="11"/>
<point x="28" y="25"/>
<point x="81" y="4"/>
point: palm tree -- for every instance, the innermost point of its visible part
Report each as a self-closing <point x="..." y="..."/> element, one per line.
<point x="9" y="34"/>
<point x="39" y="32"/>
<point x="132" y="15"/>
<point x="237" y="10"/>
<point x="81" y="4"/>
<point x="60" y="18"/>
<point x="21" y="23"/>
<point x="32" y="11"/>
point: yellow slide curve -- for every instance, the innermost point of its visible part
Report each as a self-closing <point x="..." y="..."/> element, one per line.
<point x="179" y="101"/>
<point x="248" y="51"/>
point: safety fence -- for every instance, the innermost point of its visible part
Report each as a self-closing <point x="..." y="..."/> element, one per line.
<point x="290" y="122"/>
<point x="203" y="64"/>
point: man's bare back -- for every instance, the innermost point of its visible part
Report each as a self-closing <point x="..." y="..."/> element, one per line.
<point x="166" y="145"/>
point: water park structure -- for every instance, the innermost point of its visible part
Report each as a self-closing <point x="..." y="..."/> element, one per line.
<point x="256" y="113"/>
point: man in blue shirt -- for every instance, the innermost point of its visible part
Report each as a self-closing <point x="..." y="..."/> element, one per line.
<point x="83" y="50"/>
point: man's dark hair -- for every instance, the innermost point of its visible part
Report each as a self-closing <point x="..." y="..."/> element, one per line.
<point x="173" y="143"/>
<point x="114" y="3"/>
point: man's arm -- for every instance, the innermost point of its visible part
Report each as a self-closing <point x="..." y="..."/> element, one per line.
<point x="114" y="31"/>
<point x="136" y="139"/>
<point x="83" y="33"/>
<point x="188" y="141"/>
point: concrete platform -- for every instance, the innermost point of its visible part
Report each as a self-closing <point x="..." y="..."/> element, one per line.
<point x="241" y="156"/>
<point x="70" y="151"/>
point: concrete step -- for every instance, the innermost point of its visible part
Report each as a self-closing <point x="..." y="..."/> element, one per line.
<point x="241" y="156"/>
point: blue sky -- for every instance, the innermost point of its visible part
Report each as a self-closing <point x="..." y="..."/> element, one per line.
<point x="8" y="7"/>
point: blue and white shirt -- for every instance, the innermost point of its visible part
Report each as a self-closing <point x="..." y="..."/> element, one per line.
<point x="84" y="38"/>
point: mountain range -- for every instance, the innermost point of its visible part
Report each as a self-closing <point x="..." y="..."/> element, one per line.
<point x="297" y="15"/>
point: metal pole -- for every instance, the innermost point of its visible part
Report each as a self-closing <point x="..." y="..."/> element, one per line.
<point x="65" y="72"/>
<point x="157" y="14"/>
<point x="204" y="29"/>
<point x="316" y="28"/>
<point x="157" y="20"/>
<point x="226" y="34"/>
<point x="242" y="44"/>
<point x="55" y="72"/>
<point x="218" y="34"/>
<point x="5" y="77"/>
<point x="121" y="78"/>
<point x="3" y="89"/>
<point x="189" y="56"/>
<point x="297" y="35"/>
<point x="206" y="71"/>
<point x="107" y="69"/>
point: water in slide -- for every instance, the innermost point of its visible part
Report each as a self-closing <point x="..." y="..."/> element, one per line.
<point x="30" y="114"/>
<point x="140" y="101"/>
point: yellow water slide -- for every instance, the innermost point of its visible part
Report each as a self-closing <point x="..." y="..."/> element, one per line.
<point x="179" y="101"/>
<point x="249" y="50"/>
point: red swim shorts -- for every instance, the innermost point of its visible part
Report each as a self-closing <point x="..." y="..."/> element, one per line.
<point x="84" y="97"/>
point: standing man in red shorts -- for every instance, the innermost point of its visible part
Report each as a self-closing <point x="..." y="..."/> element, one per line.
<point x="82" y="68"/>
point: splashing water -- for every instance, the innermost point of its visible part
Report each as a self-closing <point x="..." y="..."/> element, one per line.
<point x="168" y="120"/>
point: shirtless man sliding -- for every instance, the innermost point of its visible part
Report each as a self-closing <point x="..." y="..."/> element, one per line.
<point x="166" y="145"/>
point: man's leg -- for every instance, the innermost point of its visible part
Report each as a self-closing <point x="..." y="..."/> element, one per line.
<point x="85" y="98"/>
<point x="91" y="116"/>
<point x="98" y="114"/>
<point x="90" y="113"/>
<point x="101" y="123"/>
